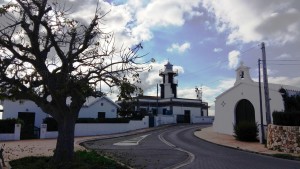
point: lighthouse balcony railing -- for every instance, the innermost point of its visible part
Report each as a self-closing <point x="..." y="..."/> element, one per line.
<point x="175" y="72"/>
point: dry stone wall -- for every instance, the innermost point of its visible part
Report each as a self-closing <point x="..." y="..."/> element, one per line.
<point x="284" y="138"/>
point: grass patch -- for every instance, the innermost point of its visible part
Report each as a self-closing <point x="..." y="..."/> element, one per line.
<point x="83" y="160"/>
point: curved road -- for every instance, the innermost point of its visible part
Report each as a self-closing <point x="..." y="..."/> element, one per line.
<point x="177" y="147"/>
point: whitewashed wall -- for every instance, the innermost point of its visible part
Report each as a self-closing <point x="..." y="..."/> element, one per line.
<point x="202" y="119"/>
<point x="102" y="105"/>
<point x="165" y="119"/>
<point x="225" y="115"/>
<point x="92" y="129"/>
<point x="12" y="108"/>
<point x="205" y="112"/>
<point x="12" y="136"/>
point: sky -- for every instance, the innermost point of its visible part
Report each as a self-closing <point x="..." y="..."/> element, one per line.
<point x="205" y="40"/>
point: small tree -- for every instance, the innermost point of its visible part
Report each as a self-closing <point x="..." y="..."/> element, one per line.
<point x="57" y="62"/>
<point x="127" y="102"/>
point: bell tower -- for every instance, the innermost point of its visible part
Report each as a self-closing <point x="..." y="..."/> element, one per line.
<point x="242" y="74"/>
<point x="168" y="87"/>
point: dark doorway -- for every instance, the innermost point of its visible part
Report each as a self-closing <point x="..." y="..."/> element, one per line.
<point x="187" y="116"/>
<point x="27" y="130"/>
<point x="244" y="111"/>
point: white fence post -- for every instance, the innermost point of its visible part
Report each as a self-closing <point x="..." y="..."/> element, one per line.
<point x="17" y="132"/>
<point x="43" y="131"/>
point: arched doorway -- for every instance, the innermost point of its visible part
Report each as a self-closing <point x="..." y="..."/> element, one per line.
<point x="244" y="111"/>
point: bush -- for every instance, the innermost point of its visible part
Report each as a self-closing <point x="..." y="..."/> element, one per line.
<point x="286" y="118"/>
<point x="246" y="131"/>
<point x="8" y="125"/>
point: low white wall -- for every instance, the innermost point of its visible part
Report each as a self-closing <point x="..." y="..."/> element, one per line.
<point x="165" y="119"/>
<point x="202" y="119"/>
<point x="12" y="136"/>
<point x="92" y="129"/>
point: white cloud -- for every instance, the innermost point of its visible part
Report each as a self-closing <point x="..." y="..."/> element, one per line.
<point x="164" y="13"/>
<point x="167" y="12"/>
<point x="274" y="21"/>
<point x="233" y="59"/>
<point x="217" y="50"/>
<point x="134" y="21"/>
<point x="284" y="56"/>
<point x="175" y="47"/>
<point x="292" y="81"/>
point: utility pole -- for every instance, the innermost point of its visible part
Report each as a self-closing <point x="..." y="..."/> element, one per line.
<point x="157" y="99"/>
<point x="262" y="139"/>
<point x="266" y="86"/>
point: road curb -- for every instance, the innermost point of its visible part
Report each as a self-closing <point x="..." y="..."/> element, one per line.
<point x="245" y="150"/>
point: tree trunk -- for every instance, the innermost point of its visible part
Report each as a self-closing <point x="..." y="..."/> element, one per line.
<point x="64" y="152"/>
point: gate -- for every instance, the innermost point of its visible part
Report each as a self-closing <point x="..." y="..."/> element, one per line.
<point x="151" y="121"/>
<point x="27" y="130"/>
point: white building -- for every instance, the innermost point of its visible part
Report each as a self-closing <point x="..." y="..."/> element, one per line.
<point x="184" y="110"/>
<point x="241" y="102"/>
<point x="33" y="116"/>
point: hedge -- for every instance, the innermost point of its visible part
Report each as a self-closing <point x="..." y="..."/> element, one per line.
<point x="246" y="131"/>
<point x="8" y="125"/>
<point x="52" y="124"/>
<point x="102" y="120"/>
<point x="286" y="118"/>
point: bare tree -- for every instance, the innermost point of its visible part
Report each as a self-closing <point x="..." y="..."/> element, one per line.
<point x="49" y="58"/>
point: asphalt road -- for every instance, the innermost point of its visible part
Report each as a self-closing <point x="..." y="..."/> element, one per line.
<point x="177" y="147"/>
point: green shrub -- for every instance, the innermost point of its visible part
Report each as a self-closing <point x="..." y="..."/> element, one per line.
<point x="8" y="125"/>
<point x="51" y="124"/>
<point x="286" y="118"/>
<point x="246" y="131"/>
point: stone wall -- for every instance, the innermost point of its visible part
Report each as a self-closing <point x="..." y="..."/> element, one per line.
<point x="284" y="138"/>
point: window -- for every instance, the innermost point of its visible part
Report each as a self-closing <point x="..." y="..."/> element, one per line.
<point x="101" y="104"/>
<point x="101" y="115"/>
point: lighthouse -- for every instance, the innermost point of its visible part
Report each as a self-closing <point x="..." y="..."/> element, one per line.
<point x="168" y="87"/>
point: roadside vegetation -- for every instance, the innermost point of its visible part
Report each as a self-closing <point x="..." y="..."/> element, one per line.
<point x="246" y="131"/>
<point x="286" y="156"/>
<point x="82" y="160"/>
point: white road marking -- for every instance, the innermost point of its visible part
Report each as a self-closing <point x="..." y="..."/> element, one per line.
<point x="191" y="156"/>
<point x="131" y="142"/>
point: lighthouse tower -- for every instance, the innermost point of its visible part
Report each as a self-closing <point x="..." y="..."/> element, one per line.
<point x="168" y="88"/>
